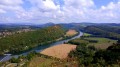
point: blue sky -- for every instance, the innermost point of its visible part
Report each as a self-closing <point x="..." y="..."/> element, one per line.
<point x="100" y="3"/>
<point x="65" y="11"/>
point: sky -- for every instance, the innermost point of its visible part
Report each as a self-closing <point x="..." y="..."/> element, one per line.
<point x="59" y="11"/>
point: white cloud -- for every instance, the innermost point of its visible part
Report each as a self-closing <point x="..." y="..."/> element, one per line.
<point x="11" y="2"/>
<point x="50" y="4"/>
<point x="48" y="11"/>
<point x="109" y="13"/>
<point x="2" y="11"/>
<point x="79" y="3"/>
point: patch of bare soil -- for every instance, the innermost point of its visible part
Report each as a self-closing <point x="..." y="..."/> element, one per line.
<point x="71" y="32"/>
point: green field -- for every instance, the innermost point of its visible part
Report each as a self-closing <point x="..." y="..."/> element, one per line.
<point x="98" y="42"/>
<point x="102" y="43"/>
<point x="86" y="34"/>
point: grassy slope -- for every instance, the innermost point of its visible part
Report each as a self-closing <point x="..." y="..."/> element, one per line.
<point x="46" y="62"/>
<point x="40" y="62"/>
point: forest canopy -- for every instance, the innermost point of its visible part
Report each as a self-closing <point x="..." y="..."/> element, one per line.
<point x="26" y="40"/>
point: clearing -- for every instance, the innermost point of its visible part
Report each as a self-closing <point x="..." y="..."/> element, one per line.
<point x="86" y="34"/>
<point x="60" y="51"/>
<point x="102" y="43"/>
<point x="71" y="32"/>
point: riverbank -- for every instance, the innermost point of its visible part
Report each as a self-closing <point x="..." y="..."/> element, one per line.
<point x="41" y="48"/>
<point x="68" y="35"/>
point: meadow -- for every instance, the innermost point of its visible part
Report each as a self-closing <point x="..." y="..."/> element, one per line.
<point x="102" y="43"/>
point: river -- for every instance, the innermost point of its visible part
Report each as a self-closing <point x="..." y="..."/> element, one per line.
<point x="38" y="49"/>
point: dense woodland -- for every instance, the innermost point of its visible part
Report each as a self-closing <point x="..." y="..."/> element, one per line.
<point x="23" y="41"/>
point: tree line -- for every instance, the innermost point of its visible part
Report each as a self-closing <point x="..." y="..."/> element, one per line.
<point x="102" y="31"/>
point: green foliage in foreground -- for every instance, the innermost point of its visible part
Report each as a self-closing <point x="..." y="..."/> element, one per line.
<point x="91" y="57"/>
<point x="23" y="58"/>
<point x="110" y="56"/>
<point x="27" y="40"/>
<point x="84" y="54"/>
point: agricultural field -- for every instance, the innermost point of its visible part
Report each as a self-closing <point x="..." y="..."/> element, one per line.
<point x="86" y="34"/>
<point x="102" y="43"/>
<point x="60" y="51"/>
<point x="71" y="32"/>
<point x="98" y="42"/>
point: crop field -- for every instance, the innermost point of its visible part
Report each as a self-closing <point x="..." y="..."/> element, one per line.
<point x="60" y="51"/>
<point x="102" y="43"/>
<point x="71" y="32"/>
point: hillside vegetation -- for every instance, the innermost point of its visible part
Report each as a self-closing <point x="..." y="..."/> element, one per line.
<point x="101" y="31"/>
<point x="23" y="41"/>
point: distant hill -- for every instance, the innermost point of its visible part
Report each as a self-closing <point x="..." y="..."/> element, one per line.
<point x="15" y="27"/>
<point x="48" y="24"/>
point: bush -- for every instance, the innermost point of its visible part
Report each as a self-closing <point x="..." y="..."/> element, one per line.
<point x="78" y="41"/>
<point x="84" y="54"/>
<point x="31" y="55"/>
<point x="92" y="48"/>
<point x="14" y="60"/>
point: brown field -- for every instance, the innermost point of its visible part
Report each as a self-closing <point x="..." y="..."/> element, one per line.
<point x="59" y="51"/>
<point x="103" y="46"/>
<point x="71" y="33"/>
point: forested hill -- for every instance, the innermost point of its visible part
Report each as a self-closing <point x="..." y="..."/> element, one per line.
<point x="23" y="41"/>
<point x="103" y="31"/>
